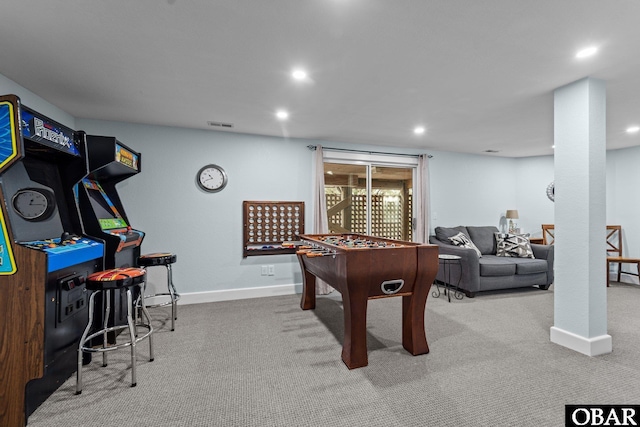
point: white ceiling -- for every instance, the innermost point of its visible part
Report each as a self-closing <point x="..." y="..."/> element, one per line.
<point x="479" y="75"/>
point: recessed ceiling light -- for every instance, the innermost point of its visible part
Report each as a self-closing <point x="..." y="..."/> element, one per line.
<point x="419" y="130"/>
<point x="553" y="146"/>
<point x="282" y="115"/>
<point x="633" y="129"/>
<point x="299" y="74"/>
<point x="587" y="52"/>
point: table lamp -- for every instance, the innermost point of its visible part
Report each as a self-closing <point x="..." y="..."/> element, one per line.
<point x="511" y="215"/>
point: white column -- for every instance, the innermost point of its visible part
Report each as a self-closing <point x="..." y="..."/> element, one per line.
<point x="580" y="293"/>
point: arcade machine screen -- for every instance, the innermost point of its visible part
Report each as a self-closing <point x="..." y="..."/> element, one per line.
<point x="107" y="214"/>
<point x="111" y="221"/>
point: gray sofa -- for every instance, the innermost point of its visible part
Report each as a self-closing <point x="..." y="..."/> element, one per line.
<point x="491" y="272"/>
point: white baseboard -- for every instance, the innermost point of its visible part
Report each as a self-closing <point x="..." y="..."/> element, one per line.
<point x="235" y="294"/>
<point x="590" y="346"/>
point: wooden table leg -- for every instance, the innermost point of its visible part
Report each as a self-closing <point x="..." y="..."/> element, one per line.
<point x="414" y="338"/>
<point x="354" y="347"/>
<point x="308" y="299"/>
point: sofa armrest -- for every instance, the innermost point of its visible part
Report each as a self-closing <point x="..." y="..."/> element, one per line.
<point x="542" y="251"/>
<point x="545" y="252"/>
<point x="469" y="274"/>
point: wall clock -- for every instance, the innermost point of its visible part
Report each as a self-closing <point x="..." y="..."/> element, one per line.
<point x="551" y="192"/>
<point x="211" y="178"/>
<point x="34" y="204"/>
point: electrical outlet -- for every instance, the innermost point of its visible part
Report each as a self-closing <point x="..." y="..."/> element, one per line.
<point x="272" y="270"/>
<point x="264" y="270"/>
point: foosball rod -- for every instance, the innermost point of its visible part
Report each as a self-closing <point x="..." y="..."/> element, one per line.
<point x="316" y="252"/>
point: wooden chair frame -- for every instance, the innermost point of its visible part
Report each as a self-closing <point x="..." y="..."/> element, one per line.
<point x="614" y="248"/>
<point x="614" y="252"/>
<point x="548" y="234"/>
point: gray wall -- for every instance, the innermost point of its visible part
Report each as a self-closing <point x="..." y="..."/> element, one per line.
<point x="205" y="230"/>
<point x="623" y="204"/>
<point x="533" y="175"/>
<point x="469" y="189"/>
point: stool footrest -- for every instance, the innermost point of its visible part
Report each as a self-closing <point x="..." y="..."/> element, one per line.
<point x="176" y="297"/>
<point x="116" y="346"/>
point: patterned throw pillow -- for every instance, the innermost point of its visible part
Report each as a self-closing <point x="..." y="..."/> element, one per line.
<point x="463" y="241"/>
<point x="513" y="245"/>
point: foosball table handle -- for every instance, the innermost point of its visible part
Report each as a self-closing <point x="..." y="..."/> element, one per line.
<point x="314" y="254"/>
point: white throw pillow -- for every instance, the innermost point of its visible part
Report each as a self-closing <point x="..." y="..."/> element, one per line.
<point x="513" y="245"/>
<point x="463" y="241"/>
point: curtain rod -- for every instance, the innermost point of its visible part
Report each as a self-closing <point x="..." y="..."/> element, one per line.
<point x="313" y="147"/>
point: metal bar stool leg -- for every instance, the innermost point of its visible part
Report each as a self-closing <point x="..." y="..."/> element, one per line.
<point x="106" y="296"/>
<point x="83" y="340"/>
<point x="139" y="302"/>
<point x="145" y="313"/>
<point x="132" y="334"/>
<point x="172" y="295"/>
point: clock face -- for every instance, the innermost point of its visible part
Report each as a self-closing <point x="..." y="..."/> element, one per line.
<point x="212" y="178"/>
<point x="33" y="204"/>
<point x="551" y="192"/>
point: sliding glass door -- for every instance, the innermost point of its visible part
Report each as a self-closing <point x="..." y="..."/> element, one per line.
<point x="391" y="202"/>
<point x="370" y="198"/>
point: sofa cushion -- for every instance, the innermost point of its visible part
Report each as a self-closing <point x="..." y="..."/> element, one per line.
<point x="491" y="265"/>
<point x="513" y="245"/>
<point x="463" y="241"/>
<point x="443" y="233"/>
<point x="484" y="238"/>
<point x="530" y="265"/>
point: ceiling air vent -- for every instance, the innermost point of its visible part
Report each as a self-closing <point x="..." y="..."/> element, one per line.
<point x="220" y="125"/>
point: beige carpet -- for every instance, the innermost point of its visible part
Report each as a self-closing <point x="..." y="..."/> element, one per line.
<point x="265" y="362"/>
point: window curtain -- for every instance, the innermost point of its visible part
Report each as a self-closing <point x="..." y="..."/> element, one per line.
<point x="422" y="188"/>
<point x="320" y="220"/>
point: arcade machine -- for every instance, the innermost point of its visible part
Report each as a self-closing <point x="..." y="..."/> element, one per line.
<point x="44" y="258"/>
<point x="103" y="215"/>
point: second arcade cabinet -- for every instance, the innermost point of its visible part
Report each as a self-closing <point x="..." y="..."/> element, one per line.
<point x="103" y="215"/>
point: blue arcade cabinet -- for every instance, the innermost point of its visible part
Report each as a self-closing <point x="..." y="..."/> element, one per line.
<point x="44" y="258"/>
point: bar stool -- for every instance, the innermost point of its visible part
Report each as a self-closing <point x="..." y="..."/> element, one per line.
<point x="166" y="259"/>
<point x="103" y="282"/>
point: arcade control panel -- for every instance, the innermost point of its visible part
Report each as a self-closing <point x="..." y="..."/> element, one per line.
<point x="67" y="258"/>
<point x="67" y="250"/>
<point x="128" y="237"/>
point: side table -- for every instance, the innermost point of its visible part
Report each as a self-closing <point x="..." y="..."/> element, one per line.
<point x="446" y="261"/>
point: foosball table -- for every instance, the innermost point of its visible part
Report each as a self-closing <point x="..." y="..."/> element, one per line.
<point x="363" y="267"/>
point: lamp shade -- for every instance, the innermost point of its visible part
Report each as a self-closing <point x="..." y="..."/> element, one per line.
<point x="512" y="214"/>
